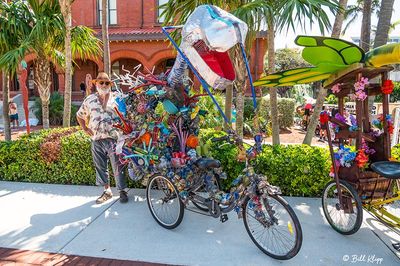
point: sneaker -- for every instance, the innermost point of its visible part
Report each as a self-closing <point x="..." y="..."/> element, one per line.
<point x="104" y="197"/>
<point x="123" y="196"/>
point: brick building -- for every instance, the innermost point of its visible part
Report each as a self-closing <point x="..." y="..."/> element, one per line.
<point x="135" y="38"/>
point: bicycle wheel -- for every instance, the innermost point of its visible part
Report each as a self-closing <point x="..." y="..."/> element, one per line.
<point x="202" y="191"/>
<point x="344" y="219"/>
<point x="164" y="202"/>
<point x="275" y="228"/>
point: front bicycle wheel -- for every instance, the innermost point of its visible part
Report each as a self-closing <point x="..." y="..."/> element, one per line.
<point x="273" y="226"/>
<point x="346" y="218"/>
<point x="164" y="202"/>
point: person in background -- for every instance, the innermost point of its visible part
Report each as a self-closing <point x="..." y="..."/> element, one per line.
<point x="13" y="112"/>
<point x="83" y="88"/>
<point x="324" y="127"/>
<point x="307" y="114"/>
<point x="96" y="117"/>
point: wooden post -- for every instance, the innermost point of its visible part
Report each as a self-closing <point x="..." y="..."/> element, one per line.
<point x="366" y="123"/>
<point x="386" y="135"/>
<point x="359" y="116"/>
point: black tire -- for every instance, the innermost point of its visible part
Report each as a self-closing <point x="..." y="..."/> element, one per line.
<point x="332" y="208"/>
<point x="203" y="189"/>
<point x="160" y="186"/>
<point x="294" y="247"/>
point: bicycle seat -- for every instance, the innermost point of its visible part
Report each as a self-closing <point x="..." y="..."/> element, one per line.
<point x="387" y="169"/>
<point x="205" y="163"/>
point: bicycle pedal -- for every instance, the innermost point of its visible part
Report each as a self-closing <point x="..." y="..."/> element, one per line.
<point x="224" y="218"/>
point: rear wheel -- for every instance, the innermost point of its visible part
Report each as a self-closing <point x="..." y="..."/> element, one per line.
<point x="273" y="226"/>
<point x="164" y="202"/>
<point x="347" y="218"/>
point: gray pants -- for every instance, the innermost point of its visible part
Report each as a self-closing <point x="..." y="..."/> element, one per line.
<point x="102" y="151"/>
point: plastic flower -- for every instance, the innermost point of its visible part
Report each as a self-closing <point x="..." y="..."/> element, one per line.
<point x="362" y="159"/>
<point x="336" y="88"/>
<point x="359" y="88"/>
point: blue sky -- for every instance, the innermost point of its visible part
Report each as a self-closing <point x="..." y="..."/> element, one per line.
<point x="286" y="38"/>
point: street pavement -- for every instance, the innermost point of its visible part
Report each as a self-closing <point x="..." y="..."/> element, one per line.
<point x="64" y="219"/>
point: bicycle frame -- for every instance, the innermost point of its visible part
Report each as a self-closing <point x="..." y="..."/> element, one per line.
<point x="376" y="208"/>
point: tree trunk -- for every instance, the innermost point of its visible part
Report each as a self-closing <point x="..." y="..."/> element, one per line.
<point x="228" y="105"/>
<point x="337" y="26"/>
<point x="365" y="40"/>
<point x="337" y="29"/>
<point x="385" y="16"/>
<point x="315" y="116"/>
<point x="6" y="110"/>
<point x="241" y="87"/>
<point x="106" y="43"/>
<point x="43" y="82"/>
<point x="272" y="91"/>
<point x="66" y="11"/>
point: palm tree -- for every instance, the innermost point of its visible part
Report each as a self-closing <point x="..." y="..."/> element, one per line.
<point x="336" y="30"/>
<point x="365" y="38"/>
<point x="256" y="13"/>
<point x="104" y="33"/>
<point x="286" y="14"/>
<point x="67" y="16"/>
<point x="47" y="18"/>
<point x="384" y="26"/>
<point x="10" y="34"/>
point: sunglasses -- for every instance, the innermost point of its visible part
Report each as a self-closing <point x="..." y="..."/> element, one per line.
<point x="107" y="83"/>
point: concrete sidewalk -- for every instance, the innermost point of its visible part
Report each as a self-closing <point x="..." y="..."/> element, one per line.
<point x="64" y="219"/>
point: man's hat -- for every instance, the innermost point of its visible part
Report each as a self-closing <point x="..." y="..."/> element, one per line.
<point x="102" y="76"/>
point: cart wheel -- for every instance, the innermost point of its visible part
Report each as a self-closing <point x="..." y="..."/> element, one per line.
<point x="164" y="202"/>
<point x="345" y="219"/>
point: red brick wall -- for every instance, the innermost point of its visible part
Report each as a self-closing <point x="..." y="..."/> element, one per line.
<point x="129" y="13"/>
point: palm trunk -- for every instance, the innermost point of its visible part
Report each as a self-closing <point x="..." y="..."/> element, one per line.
<point x="228" y="105"/>
<point x="337" y="29"/>
<point x="66" y="11"/>
<point x="365" y="39"/>
<point x="315" y="116"/>
<point x="272" y="91"/>
<point x="337" y="26"/>
<point x="6" y="109"/>
<point x="104" y="30"/>
<point x="385" y="15"/>
<point x="241" y="87"/>
<point x="43" y="82"/>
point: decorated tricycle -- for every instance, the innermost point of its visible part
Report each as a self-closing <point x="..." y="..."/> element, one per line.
<point x="363" y="175"/>
<point x="160" y="120"/>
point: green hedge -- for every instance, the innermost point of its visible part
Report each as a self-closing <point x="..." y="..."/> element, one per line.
<point x="285" y="111"/>
<point x="299" y="170"/>
<point x="21" y="160"/>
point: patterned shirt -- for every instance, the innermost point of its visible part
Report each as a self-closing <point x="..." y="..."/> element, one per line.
<point x="99" y="120"/>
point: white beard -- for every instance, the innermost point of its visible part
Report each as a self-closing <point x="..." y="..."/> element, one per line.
<point x="103" y="92"/>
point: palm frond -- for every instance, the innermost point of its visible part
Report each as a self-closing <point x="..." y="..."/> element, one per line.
<point x="84" y="43"/>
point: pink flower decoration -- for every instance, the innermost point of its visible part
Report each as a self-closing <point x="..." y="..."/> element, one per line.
<point x="336" y="88"/>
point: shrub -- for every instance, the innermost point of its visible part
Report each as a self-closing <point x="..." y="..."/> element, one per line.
<point x="285" y="111"/>
<point x="56" y="110"/>
<point x="213" y="118"/>
<point x="299" y="170"/>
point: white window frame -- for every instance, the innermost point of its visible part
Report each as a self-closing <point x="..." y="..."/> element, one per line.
<point x="112" y="12"/>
